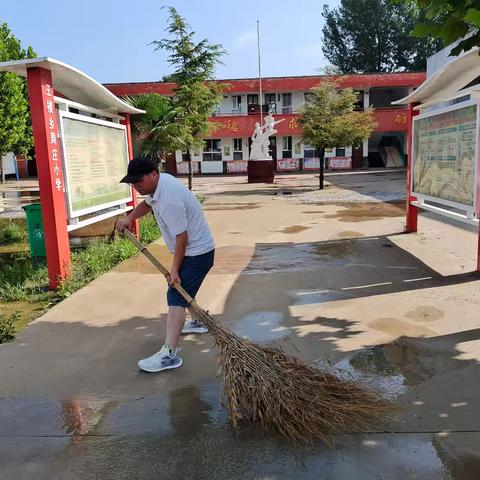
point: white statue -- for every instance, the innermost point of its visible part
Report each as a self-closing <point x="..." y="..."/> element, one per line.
<point x="260" y="139"/>
<point x="257" y="139"/>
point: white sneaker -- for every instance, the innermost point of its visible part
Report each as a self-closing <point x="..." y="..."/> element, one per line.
<point x="164" y="359"/>
<point x="194" y="326"/>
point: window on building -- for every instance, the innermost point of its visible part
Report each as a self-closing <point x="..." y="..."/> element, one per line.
<point x="270" y="103"/>
<point x="340" y="152"/>
<point x="287" y="103"/>
<point x="236" y="102"/>
<point x="212" y="151"/>
<point x="309" y="151"/>
<point x="252" y="99"/>
<point x="184" y="156"/>
<point x="287" y="147"/>
<point x="237" y="149"/>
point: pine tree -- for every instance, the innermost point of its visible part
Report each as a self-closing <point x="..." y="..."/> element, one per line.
<point x="195" y="93"/>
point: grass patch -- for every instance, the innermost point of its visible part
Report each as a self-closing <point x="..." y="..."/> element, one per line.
<point x="149" y="230"/>
<point x="23" y="281"/>
<point x="12" y="232"/>
<point x="7" y="326"/>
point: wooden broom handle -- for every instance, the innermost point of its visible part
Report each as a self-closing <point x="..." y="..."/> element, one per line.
<point x="157" y="264"/>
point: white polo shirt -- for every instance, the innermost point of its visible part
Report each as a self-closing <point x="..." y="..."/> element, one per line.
<point x="177" y="210"/>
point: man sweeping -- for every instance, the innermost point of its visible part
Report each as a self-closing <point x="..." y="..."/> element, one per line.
<point x="187" y="235"/>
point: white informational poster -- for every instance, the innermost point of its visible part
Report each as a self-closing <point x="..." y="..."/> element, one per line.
<point x="288" y="164"/>
<point x="237" y="166"/>
<point x="444" y="155"/>
<point x="182" y="168"/>
<point x="211" y="167"/>
<point x="340" y="163"/>
<point x="95" y="156"/>
<point x="8" y="164"/>
<point x="311" y="163"/>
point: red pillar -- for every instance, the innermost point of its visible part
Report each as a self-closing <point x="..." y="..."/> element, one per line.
<point x="50" y="173"/>
<point x="412" y="211"/>
<point x="133" y="203"/>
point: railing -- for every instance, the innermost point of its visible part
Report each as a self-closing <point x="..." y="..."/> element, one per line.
<point x="234" y="113"/>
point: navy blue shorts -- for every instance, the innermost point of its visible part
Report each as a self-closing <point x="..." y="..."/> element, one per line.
<point x="192" y="272"/>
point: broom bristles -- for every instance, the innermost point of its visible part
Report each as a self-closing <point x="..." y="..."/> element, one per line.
<point x="263" y="384"/>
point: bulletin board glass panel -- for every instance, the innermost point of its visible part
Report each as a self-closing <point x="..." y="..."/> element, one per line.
<point x="95" y="156"/>
<point x="445" y="155"/>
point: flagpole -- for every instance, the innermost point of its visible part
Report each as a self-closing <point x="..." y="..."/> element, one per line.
<point x="259" y="72"/>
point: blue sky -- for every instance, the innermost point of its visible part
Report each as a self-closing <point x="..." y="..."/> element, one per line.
<point x="109" y="39"/>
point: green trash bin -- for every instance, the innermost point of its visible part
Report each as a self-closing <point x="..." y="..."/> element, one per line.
<point x="36" y="237"/>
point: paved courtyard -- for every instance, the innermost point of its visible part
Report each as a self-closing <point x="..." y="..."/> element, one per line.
<point x="330" y="277"/>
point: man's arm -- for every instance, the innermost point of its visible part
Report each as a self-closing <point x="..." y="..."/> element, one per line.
<point x="139" y="211"/>
<point x="180" y="248"/>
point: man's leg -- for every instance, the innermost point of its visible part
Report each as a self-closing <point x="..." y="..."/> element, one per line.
<point x="175" y="322"/>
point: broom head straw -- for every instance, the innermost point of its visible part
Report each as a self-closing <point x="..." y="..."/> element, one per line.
<point x="263" y="384"/>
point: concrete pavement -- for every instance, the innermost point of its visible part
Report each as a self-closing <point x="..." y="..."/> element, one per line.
<point x="329" y="276"/>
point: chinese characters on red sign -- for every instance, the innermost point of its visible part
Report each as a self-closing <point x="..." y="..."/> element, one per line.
<point x="400" y="119"/>
<point x="53" y="137"/>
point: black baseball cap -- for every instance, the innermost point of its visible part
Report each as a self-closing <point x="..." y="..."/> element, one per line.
<point x="137" y="168"/>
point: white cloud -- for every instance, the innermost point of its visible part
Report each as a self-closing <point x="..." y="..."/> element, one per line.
<point x="245" y="39"/>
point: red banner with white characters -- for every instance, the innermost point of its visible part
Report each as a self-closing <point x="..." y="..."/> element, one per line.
<point x="340" y="163"/>
<point x="288" y="164"/>
<point x="237" y="166"/>
<point x="242" y="126"/>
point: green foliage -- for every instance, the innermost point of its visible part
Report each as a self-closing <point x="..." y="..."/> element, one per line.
<point x="7" y="326"/>
<point x="450" y="20"/>
<point x="374" y="36"/>
<point x="329" y="118"/>
<point x="19" y="279"/>
<point x="194" y="68"/>
<point x="15" y="127"/>
<point x="12" y="232"/>
<point x="149" y="230"/>
<point x="158" y="128"/>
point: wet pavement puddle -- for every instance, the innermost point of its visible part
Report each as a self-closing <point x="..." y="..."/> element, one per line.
<point x="263" y="326"/>
<point x="363" y="212"/>
<point x="294" y="229"/>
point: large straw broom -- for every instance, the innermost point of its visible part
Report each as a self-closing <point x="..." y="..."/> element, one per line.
<point x="263" y="384"/>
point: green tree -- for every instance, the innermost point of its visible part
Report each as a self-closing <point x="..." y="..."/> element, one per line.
<point x="15" y="127"/>
<point x="374" y="36"/>
<point x="157" y="128"/>
<point x="329" y="119"/>
<point x="195" y="93"/>
<point x="450" y="20"/>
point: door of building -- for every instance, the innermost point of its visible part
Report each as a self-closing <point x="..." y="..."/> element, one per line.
<point x="272" y="150"/>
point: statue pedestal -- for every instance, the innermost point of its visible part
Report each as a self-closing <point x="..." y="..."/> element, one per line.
<point x="260" y="171"/>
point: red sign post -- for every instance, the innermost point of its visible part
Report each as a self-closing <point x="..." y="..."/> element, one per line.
<point x="50" y="173"/>
<point x="412" y="210"/>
